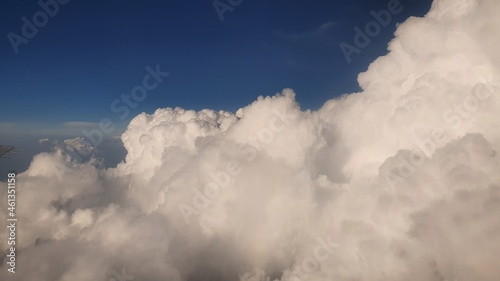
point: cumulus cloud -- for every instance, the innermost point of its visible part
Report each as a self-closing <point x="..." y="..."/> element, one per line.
<point x="397" y="182"/>
<point x="79" y="145"/>
<point x="44" y="141"/>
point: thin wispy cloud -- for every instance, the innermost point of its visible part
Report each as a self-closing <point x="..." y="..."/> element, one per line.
<point x="320" y="37"/>
<point x="76" y="124"/>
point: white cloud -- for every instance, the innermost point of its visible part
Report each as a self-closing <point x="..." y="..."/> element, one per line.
<point x="80" y="146"/>
<point x="402" y="178"/>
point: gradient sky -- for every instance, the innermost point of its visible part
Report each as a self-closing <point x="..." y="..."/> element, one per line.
<point x="91" y="52"/>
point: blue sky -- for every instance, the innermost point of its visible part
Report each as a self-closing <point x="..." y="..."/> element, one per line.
<point x="91" y="52"/>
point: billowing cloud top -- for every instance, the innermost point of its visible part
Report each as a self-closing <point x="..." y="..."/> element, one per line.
<point x="398" y="182"/>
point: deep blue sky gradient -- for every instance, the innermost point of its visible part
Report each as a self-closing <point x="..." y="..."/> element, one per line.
<point x="93" y="51"/>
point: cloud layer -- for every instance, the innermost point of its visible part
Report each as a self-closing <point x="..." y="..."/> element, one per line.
<point x="397" y="182"/>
